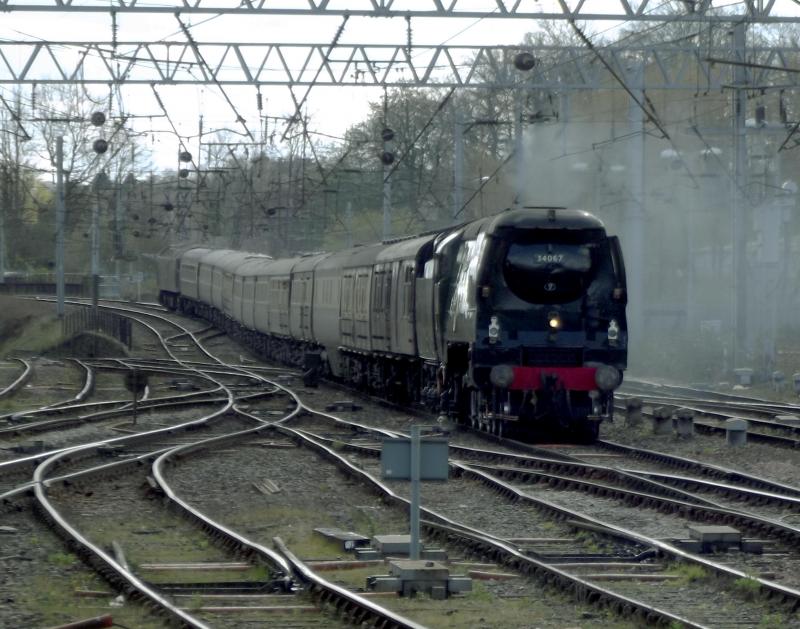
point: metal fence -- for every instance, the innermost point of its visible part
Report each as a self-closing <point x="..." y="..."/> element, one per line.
<point x="45" y="284"/>
<point x="87" y="319"/>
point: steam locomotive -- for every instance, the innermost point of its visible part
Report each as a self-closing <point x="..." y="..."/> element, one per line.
<point x="513" y="323"/>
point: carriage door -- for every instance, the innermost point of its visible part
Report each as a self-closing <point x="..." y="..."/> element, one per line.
<point x="346" y="313"/>
<point x="305" y="308"/>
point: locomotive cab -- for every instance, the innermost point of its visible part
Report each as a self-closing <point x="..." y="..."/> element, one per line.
<point x="542" y="293"/>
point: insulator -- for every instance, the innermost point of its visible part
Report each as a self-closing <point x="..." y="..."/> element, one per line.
<point x="387" y="157"/>
<point x="185" y="156"/>
<point x="100" y="146"/>
<point x="98" y="119"/>
<point x="387" y="135"/>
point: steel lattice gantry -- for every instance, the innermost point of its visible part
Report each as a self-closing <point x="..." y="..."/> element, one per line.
<point x="175" y="63"/>
<point x="649" y="10"/>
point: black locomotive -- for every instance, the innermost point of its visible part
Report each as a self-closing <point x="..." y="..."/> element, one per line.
<point x="513" y="323"/>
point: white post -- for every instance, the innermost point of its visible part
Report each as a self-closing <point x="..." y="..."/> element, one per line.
<point x="741" y="337"/>
<point x="634" y="242"/>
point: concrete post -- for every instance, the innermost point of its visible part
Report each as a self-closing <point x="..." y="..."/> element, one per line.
<point x="744" y="376"/>
<point x="633" y="412"/>
<point x="684" y="423"/>
<point x="778" y="380"/>
<point x="60" y="226"/>
<point x="662" y="420"/>
<point x="634" y="241"/>
<point x="796" y="379"/>
<point x="740" y="333"/>
<point x="736" y="431"/>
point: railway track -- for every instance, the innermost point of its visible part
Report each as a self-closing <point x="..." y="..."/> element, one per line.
<point x="602" y="556"/>
<point x="463" y="495"/>
<point x="732" y="573"/>
<point x="772" y="422"/>
<point x="78" y="471"/>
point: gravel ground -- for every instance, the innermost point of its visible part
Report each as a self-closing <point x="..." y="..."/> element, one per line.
<point x="222" y="485"/>
<point x="777" y="464"/>
<point x="39" y="579"/>
<point x="51" y="381"/>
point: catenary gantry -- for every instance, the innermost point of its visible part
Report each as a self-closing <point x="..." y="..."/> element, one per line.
<point x="642" y="10"/>
<point x="177" y="62"/>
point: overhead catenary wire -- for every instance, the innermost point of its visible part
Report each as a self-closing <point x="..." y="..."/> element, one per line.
<point x="645" y="104"/>
<point x="299" y="104"/>
<point x="210" y="74"/>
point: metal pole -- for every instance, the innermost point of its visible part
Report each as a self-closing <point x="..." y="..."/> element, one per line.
<point x="4" y="208"/>
<point x="741" y="341"/>
<point x="387" y="199"/>
<point x="118" y="248"/>
<point x="458" y="162"/>
<point x="60" y="226"/>
<point x="634" y="211"/>
<point x="95" y="259"/>
<point x="348" y="214"/>
<point x="519" y="171"/>
<point x="415" y="491"/>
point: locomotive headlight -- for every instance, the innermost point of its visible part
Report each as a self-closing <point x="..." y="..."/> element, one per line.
<point x="613" y="332"/>
<point x="494" y="329"/>
<point x="607" y="378"/>
<point x="554" y="321"/>
<point x="502" y="376"/>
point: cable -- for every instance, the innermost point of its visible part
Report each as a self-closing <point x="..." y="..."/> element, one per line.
<point x="647" y="106"/>
<point x="439" y="108"/>
<point x="211" y="74"/>
<point x="299" y="106"/>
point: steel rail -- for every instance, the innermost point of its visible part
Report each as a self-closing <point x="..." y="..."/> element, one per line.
<point x="705" y="469"/>
<point x="494" y="545"/>
<point x="99" y="559"/>
<point x="366" y="610"/>
<point x="692" y="510"/>
<point x="22" y="379"/>
<point x="705" y="509"/>
<point x="787" y="593"/>
<point x="106" y="565"/>
<point x="722" y="395"/>
<point x="120" y="404"/>
<point x="319" y="587"/>
<point x="629" y="475"/>
<point x="702" y="409"/>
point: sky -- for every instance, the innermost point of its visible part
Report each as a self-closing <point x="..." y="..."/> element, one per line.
<point x="331" y="109"/>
